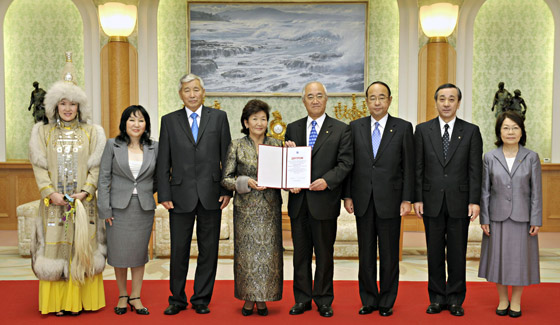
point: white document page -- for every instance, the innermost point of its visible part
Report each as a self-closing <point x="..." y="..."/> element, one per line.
<point x="298" y="167"/>
<point x="269" y="169"/>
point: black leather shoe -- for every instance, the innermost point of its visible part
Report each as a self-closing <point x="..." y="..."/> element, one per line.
<point x="174" y="309"/>
<point x="367" y="310"/>
<point x="435" y="308"/>
<point x="384" y="311"/>
<point x="325" y="311"/>
<point x="502" y="312"/>
<point x="246" y="312"/>
<point x="300" y="308"/>
<point x="456" y="310"/>
<point x="262" y="312"/>
<point x="201" y="309"/>
<point x="514" y="314"/>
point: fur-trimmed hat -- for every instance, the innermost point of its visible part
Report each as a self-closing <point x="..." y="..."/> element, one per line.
<point x="66" y="90"/>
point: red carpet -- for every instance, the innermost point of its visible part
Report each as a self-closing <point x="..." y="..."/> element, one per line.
<point x="18" y="301"/>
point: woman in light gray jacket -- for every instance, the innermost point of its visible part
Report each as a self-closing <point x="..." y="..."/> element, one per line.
<point x="510" y="214"/>
<point x="127" y="183"/>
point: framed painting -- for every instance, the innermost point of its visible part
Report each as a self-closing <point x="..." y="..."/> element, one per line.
<point x="271" y="49"/>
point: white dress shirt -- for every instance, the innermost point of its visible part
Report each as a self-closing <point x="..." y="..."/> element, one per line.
<point x="198" y="113"/>
<point x="442" y="126"/>
<point x="319" y="121"/>
<point x="382" y="122"/>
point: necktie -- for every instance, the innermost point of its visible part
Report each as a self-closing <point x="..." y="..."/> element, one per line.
<point x="312" y="134"/>
<point x="375" y="139"/>
<point x="445" y="141"/>
<point x="194" y="126"/>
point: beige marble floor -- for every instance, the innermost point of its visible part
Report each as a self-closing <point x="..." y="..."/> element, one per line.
<point x="412" y="268"/>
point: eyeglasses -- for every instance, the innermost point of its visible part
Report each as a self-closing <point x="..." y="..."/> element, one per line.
<point x="313" y="97"/>
<point x="381" y="99"/>
<point x="513" y="128"/>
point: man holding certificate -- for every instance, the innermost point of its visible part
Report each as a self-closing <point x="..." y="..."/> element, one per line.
<point x="379" y="191"/>
<point x="314" y="211"/>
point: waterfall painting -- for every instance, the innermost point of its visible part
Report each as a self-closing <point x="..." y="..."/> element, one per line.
<point x="275" y="49"/>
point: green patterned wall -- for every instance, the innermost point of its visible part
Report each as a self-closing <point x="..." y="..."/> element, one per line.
<point x="383" y="57"/>
<point x="36" y="35"/>
<point x="514" y="43"/>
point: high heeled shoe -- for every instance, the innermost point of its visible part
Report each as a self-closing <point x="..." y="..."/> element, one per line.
<point x="262" y="311"/>
<point x="121" y="310"/>
<point x="142" y="311"/>
<point x="514" y="314"/>
<point x="246" y="311"/>
<point x="502" y="312"/>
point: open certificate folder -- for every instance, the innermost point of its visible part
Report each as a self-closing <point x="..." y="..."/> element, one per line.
<point x="283" y="167"/>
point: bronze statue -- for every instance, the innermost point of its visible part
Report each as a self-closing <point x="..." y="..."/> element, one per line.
<point x="517" y="102"/>
<point x="37" y="97"/>
<point x="502" y="100"/>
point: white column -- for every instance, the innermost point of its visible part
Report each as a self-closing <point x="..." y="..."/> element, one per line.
<point x="148" y="61"/>
<point x="3" y="9"/>
<point x="408" y="60"/>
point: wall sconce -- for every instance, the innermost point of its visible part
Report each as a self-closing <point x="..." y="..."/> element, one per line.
<point x="439" y="19"/>
<point x="437" y="59"/>
<point x="119" y="64"/>
<point x="117" y="20"/>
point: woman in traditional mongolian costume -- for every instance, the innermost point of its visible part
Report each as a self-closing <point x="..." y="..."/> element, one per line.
<point x="68" y="244"/>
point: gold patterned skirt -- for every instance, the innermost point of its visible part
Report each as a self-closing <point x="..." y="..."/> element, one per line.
<point x="258" y="260"/>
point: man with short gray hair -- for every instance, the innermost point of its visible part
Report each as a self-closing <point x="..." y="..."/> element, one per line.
<point x="193" y="143"/>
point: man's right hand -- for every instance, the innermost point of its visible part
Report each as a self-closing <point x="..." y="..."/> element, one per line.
<point x="167" y="204"/>
<point x="349" y="205"/>
<point x="419" y="209"/>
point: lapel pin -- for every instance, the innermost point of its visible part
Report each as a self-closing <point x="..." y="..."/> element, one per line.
<point x="391" y="130"/>
<point x="459" y="137"/>
<point x="327" y="132"/>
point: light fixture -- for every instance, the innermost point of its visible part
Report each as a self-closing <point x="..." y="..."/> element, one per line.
<point x="119" y="64"/>
<point x="118" y="20"/>
<point x="437" y="59"/>
<point x="439" y="19"/>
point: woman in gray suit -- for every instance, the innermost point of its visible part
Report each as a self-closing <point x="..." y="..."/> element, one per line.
<point x="510" y="214"/>
<point x="127" y="184"/>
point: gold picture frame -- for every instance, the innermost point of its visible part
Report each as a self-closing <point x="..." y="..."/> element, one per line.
<point x="277" y="47"/>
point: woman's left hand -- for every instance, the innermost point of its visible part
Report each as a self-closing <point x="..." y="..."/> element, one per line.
<point x="534" y="230"/>
<point x="80" y="196"/>
<point x="110" y="221"/>
<point x="486" y="229"/>
<point x="253" y="184"/>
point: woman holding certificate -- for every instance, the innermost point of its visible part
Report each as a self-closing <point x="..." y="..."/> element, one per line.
<point x="257" y="216"/>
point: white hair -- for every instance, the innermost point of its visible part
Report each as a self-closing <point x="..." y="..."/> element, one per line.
<point x="188" y="78"/>
<point x="312" y="82"/>
<point x="66" y="90"/>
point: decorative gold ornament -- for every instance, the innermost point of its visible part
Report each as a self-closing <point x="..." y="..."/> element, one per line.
<point x="68" y="72"/>
<point x="353" y="113"/>
<point x="277" y="127"/>
<point x="216" y="105"/>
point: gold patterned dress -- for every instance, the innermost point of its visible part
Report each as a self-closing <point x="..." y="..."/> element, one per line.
<point x="257" y="223"/>
<point x="65" y="159"/>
